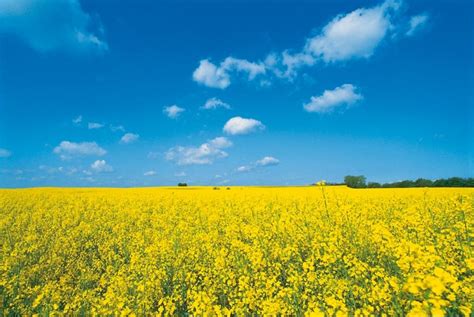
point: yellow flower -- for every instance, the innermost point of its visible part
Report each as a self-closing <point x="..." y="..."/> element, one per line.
<point x="313" y="251"/>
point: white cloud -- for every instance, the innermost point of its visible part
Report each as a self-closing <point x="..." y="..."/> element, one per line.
<point x="416" y="23"/>
<point x="287" y="64"/>
<point x="51" y="25"/>
<point x="180" y="174"/>
<point x="101" y="166"/>
<point x="220" y="142"/>
<point x="89" y="179"/>
<point x="115" y="128"/>
<point x="5" y="153"/>
<point x="211" y="75"/>
<point x="153" y="155"/>
<point x="206" y="153"/>
<point x="94" y="125"/>
<point x="149" y="173"/>
<point x="330" y="99"/>
<point x="173" y="111"/>
<point x="214" y="103"/>
<point x="129" y="138"/>
<point x="264" y="162"/>
<point x="67" y="149"/>
<point x="239" y="125"/>
<point x="268" y="161"/>
<point x="242" y="65"/>
<point x="77" y="120"/>
<point x="244" y="168"/>
<point x="58" y="170"/>
<point x="354" y="35"/>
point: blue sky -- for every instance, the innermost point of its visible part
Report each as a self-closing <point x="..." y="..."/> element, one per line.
<point x="95" y="93"/>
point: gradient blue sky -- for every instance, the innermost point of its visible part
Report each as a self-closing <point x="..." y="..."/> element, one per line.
<point x="297" y="91"/>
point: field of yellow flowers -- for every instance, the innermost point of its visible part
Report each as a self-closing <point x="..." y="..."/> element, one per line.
<point x="313" y="251"/>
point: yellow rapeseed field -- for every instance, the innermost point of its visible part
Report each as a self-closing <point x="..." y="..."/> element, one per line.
<point x="317" y="251"/>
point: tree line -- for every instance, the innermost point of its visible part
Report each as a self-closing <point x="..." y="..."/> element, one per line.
<point x="361" y="182"/>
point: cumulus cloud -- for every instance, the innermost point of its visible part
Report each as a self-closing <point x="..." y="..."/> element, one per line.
<point x="214" y="103"/>
<point x="354" y="35"/>
<point x="101" y="166"/>
<point x="67" y="149"/>
<point x="330" y="99"/>
<point x="173" y="111"/>
<point x="416" y="23"/>
<point x="264" y="162"/>
<point x="5" y="153"/>
<point x="206" y="153"/>
<point x="211" y="75"/>
<point x="94" y="125"/>
<point x="129" y="138"/>
<point x="239" y="125"/>
<point x="52" y="25"/>
<point x="149" y="173"/>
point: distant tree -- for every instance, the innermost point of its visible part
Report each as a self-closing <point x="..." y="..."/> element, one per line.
<point x="469" y="182"/>
<point x="442" y="182"/>
<point x="456" y="182"/>
<point x="422" y="182"/>
<point x="355" y="181"/>
<point x="406" y="184"/>
<point x="374" y="185"/>
<point x="182" y="184"/>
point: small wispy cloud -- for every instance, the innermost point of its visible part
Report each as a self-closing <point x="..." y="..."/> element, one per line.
<point x="245" y="168"/>
<point x="214" y="103"/>
<point x="416" y="23"/>
<point x="128" y="138"/>
<point x="94" y="125"/>
<point x="173" y="111"/>
<point x="58" y="170"/>
<point x="331" y="99"/>
<point x="5" y="153"/>
<point x="115" y="128"/>
<point x="77" y="120"/>
<point x="149" y="173"/>
<point x="264" y="162"/>
<point x="267" y="161"/>
<point x="153" y="155"/>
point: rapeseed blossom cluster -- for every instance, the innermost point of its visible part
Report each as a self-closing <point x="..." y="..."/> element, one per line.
<point x="313" y="251"/>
